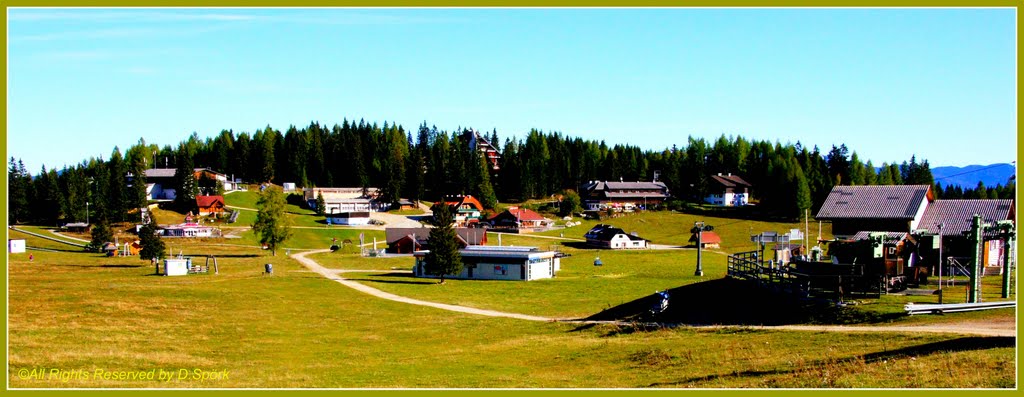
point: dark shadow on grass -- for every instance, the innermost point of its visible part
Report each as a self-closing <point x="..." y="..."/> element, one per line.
<point x="728" y="301"/>
<point x="581" y="245"/>
<point x="369" y="280"/>
<point x="195" y="256"/>
<point x="972" y="343"/>
<point x="106" y="266"/>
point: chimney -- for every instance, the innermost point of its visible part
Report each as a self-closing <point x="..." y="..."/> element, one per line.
<point x="730" y="174"/>
<point x="620" y="179"/>
<point x="719" y="174"/>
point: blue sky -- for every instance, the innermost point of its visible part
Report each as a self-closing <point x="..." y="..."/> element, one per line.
<point x="938" y="83"/>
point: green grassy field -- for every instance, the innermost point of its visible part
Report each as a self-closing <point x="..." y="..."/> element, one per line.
<point x="578" y="290"/>
<point x="81" y="311"/>
<point x="581" y="289"/>
<point x="673" y="228"/>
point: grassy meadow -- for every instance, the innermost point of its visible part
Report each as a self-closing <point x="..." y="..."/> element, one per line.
<point x="673" y="228"/>
<point x="72" y="310"/>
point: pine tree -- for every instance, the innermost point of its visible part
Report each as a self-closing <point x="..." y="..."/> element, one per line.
<point x="272" y="226"/>
<point x="444" y="257"/>
<point x="321" y="204"/>
<point x="802" y="192"/>
<point x="101" y="234"/>
<point x="17" y="195"/>
<point x="980" y="192"/>
<point x="152" y="246"/>
<point x="857" y="170"/>
<point x="119" y="193"/>
<point x="884" y="176"/>
<point x="186" y="188"/>
<point x="485" y="191"/>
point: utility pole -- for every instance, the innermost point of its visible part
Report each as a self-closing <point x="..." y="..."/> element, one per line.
<point x="698" y="229"/>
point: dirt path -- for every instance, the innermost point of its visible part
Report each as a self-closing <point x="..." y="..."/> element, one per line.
<point x="993" y="328"/>
<point x="333" y="275"/>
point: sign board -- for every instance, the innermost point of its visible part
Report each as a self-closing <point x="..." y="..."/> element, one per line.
<point x="796" y="234"/>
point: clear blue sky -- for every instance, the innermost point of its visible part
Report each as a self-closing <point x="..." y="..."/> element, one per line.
<point x="938" y="83"/>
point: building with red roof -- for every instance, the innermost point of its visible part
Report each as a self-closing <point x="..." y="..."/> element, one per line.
<point x="519" y="218"/>
<point x="210" y="205"/>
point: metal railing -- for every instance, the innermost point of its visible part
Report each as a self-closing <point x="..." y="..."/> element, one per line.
<point x="918" y="308"/>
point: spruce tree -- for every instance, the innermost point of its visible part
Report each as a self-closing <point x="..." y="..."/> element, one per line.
<point x="17" y="195"/>
<point x="101" y="234"/>
<point x="443" y="258"/>
<point x="484" y="189"/>
<point x="152" y="246"/>
<point x="321" y="204"/>
<point x="185" y="184"/>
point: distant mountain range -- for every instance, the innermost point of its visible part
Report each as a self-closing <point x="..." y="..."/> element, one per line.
<point x="968" y="177"/>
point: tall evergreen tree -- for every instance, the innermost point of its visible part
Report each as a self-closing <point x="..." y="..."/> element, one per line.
<point x="120" y="195"/>
<point x="186" y="188"/>
<point x="443" y="258"/>
<point x="18" y="185"/>
<point x="484" y="190"/>
<point x="321" y="204"/>
<point x="152" y="246"/>
<point x="980" y="192"/>
<point x="101" y="234"/>
<point x="857" y="176"/>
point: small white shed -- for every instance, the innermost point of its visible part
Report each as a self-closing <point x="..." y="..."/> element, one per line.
<point x="16" y="246"/>
<point x="177" y="267"/>
<point x="288" y="186"/>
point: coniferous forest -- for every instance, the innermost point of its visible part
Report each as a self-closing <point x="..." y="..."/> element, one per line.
<point x="427" y="163"/>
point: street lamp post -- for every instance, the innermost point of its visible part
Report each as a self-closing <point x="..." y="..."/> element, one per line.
<point x="699" y="228"/>
<point x="87" y="213"/>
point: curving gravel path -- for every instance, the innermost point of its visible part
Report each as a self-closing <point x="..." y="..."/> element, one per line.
<point x="333" y="274"/>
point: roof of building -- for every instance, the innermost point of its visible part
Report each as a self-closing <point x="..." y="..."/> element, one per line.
<point x="459" y="201"/>
<point x="602" y="232"/>
<point x="638" y="185"/>
<point x="209" y="201"/>
<point x="956" y="215"/>
<point x="499" y="252"/>
<point x="160" y="173"/>
<point x="878" y="202"/>
<point x="706" y="238"/>
<point x="730" y="180"/>
<point x="522" y="214"/>
<point x="169" y="172"/>
<point x="889" y="236"/>
<point x="472" y="236"/>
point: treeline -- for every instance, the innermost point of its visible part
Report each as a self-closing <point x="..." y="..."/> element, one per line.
<point x="428" y="163"/>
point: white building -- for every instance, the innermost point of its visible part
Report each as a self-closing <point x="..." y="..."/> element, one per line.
<point x="728" y="190"/>
<point x="499" y="263"/>
<point x="352" y="218"/>
<point x="345" y="199"/>
<point x="606" y="236"/>
<point x="189" y="230"/>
